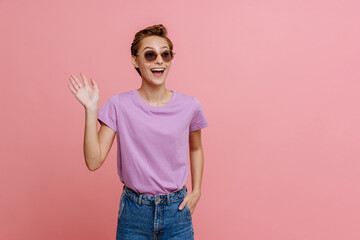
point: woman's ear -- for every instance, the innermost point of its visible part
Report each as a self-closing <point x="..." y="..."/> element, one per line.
<point x="134" y="62"/>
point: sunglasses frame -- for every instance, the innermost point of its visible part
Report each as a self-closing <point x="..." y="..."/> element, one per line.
<point x="171" y="52"/>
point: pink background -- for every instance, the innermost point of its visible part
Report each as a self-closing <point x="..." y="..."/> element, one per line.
<point x="279" y="84"/>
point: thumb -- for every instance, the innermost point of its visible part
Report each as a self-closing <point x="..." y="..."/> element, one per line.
<point x="94" y="84"/>
<point x="182" y="205"/>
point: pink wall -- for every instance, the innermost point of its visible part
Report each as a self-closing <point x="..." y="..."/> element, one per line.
<point x="279" y="83"/>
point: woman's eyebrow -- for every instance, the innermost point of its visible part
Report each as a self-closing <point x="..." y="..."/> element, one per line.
<point x="153" y="48"/>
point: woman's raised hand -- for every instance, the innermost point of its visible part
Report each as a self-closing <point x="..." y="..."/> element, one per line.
<point x="87" y="96"/>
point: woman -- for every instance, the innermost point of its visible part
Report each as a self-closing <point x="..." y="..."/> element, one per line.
<point x="155" y="128"/>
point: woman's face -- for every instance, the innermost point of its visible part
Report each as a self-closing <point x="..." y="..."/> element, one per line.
<point x="157" y="44"/>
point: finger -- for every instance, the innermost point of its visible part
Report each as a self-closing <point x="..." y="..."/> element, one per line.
<point x="75" y="86"/>
<point x="182" y="205"/>
<point x="77" y="81"/>
<point x="94" y="84"/>
<point x="72" y="89"/>
<point x="84" y="79"/>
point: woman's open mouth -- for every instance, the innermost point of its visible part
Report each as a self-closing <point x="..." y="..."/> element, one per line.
<point x="158" y="72"/>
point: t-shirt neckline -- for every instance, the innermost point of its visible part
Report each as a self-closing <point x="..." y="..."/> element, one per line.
<point x="150" y="107"/>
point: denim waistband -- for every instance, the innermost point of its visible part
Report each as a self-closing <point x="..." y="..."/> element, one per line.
<point x="154" y="200"/>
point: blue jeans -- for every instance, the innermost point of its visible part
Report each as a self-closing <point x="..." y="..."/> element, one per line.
<point x="144" y="217"/>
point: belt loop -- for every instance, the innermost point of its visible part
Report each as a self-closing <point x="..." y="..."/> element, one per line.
<point x="168" y="199"/>
<point x="140" y="197"/>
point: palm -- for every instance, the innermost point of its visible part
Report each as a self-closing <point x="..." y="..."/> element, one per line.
<point x="87" y="96"/>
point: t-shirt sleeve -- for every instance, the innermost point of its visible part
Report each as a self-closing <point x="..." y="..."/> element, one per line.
<point x="107" y="114"/>
<point x="198" y="120"/>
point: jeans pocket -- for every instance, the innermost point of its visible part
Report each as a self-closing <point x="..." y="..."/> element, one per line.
<point x="188" y="209"/>
<point x="121" y="206"/>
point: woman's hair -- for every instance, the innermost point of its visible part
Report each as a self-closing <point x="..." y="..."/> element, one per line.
<point x="155" y="30"/>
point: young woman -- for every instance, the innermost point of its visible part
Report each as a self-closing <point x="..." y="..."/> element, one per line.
<point x="155" y="128"/>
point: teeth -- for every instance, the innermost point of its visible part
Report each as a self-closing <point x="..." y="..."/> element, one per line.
<point x="157" y="69"/>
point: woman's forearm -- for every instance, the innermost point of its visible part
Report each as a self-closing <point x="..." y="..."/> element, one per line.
<point x="197" y="166"/>
<point x="92" y="150"/>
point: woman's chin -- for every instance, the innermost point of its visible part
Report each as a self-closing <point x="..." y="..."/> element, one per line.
<point x="153" y="80"/>
<point x="157" y="81"/>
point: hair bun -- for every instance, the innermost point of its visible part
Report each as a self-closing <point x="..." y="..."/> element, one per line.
<point x="158" y="29"/>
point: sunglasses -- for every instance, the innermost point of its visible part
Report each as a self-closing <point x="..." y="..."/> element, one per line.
<point x="151" y="55"/>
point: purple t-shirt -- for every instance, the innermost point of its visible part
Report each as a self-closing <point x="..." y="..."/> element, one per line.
<point x="152" y="142"/>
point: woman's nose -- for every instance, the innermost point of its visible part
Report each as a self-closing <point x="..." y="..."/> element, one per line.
<point x="158" y="59"/>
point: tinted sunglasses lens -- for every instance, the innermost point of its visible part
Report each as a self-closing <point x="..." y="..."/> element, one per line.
<point x="166" y="56"/>
<point x="150" y="56"/>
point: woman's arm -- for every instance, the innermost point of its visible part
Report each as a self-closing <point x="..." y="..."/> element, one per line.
<point x="197" y="166"/>
<point x="96" y="144"/>
<point x="196" y="160"/>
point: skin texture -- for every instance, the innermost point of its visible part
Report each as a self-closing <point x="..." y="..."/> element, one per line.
<point x="98" y="144"/>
